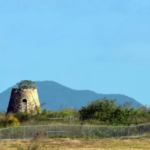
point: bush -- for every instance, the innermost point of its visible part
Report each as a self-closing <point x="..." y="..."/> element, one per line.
<point x="23" y="117"/>
<point x="25" y="84"/>
<point x="67" y="112"/>
<point x="10" y="120"/>
<point x="105" y="111"/>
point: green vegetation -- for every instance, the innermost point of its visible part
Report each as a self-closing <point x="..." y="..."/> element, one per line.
<point x="99" y="112"/>
<point x="9" y="120"/>
<point x="107" y="112"/>
<point x="27" y="84"/>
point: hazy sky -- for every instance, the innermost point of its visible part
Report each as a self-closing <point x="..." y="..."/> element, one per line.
<point x="100" y="45"/>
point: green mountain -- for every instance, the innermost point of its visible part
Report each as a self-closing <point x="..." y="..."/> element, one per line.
<point x="57" y="96"/>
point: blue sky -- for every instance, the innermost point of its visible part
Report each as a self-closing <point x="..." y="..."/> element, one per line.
<point x="83" y="44"/>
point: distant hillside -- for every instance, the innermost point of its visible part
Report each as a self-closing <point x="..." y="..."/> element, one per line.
<point x="56" y="96"/>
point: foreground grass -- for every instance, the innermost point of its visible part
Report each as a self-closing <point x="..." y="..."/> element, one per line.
<point x="80" y="144"/>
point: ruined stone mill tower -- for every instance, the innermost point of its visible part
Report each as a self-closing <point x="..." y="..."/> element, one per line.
<point x="23" y="99"/>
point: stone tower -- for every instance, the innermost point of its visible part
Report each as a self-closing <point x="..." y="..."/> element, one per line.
<point x="23" y="100"/>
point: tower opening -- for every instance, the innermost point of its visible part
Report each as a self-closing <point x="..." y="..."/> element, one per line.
<point x="24" y="105"/>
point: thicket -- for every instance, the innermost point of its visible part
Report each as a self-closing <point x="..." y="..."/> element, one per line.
<point x="109" y="113"/>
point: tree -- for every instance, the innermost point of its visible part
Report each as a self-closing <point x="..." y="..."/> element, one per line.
<point x="101" y="110"/>
<point x="106" y="111"/>
<point x="27" y="84"/>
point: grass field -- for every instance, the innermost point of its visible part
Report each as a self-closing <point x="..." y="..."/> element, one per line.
<point x="78" y="144"/>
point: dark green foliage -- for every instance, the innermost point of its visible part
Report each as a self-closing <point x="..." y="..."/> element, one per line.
<point x="23" y="117"/>
<point x="107" y="112"/>
<point x="27" y="84"/>
<point x="102" y="110"/>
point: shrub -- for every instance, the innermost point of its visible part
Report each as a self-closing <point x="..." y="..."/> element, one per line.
<point x="45" y="112"/>
<point x="67" y="112"/>
<point x="105" y="111"/>
<point x="11" y="120"/>
<point x="25" y="84"/>
<point x="22" y="117"/>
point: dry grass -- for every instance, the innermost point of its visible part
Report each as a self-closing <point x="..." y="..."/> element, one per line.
<point x="80" y="144"/>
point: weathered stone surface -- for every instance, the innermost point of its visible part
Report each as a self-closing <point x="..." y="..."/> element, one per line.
<point x="23" y="100"/>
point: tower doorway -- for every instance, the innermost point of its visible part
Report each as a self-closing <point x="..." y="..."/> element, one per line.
<point x="24" y="105"/>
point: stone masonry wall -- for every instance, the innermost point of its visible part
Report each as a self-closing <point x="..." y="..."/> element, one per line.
<point x="17" y="95"/>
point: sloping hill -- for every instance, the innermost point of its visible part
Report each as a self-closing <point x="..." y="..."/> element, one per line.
<point x="56" y="96"/>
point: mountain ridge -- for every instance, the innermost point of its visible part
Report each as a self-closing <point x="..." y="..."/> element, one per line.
<point x="56" y="95"/>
